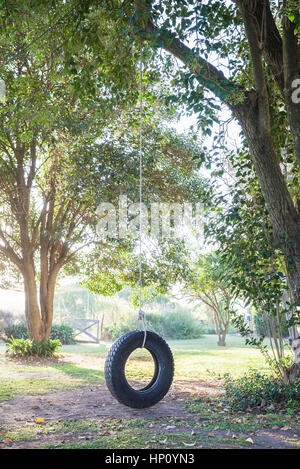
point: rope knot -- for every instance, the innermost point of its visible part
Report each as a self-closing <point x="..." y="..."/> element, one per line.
<point x="142" y="315"/>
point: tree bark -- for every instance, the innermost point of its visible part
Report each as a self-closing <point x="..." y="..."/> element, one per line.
<point x="222" y="339"/>
<point x="291" y="70"/>
<point x="254" y="118"/>
<point x="221" y="323"/>
<point x="38" y="304"/>
<point x="294" y="336"/>
<point x="46" y="301"/>
<point x="32" y="309"/>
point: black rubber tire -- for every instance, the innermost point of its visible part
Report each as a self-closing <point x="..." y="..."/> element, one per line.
<point x="115" y="370"/>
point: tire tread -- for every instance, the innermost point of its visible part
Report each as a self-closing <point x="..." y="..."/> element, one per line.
<point x="118" y="351"/>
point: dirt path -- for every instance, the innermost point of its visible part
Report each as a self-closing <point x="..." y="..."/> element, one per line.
<point x="82" y="403"/>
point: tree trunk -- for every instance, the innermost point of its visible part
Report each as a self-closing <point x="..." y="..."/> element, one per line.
<point x="294" y="277"/>
<point x="221" y="326"/>
<point x="46" y="302"/>
<point x="32" y="310"/>
<point x="39" y="312"/>
<point x="294" y="337"/>
<point x="222" y="339"/>
<point x="283" y="214"/>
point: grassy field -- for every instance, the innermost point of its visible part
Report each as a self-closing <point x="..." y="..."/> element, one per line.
<point x="61" y="403"/>
<point x="83" y="364"/>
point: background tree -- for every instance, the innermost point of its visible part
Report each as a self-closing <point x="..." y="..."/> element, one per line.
<point x="206" y="283"/>
<point x="65" y="148"/>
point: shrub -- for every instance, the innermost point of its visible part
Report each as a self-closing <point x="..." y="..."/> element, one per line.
<point x="254" y="386"/>
<point x="26" y="347"/>
<point x="179" y="325"/>
<point x="209" y="328"/>
<point x="172" y="325"/>
<point x="65" y="334"/>
<point x="18" y="331"/>
<point x="6" y="318"/>
<point x="125" y="324"/>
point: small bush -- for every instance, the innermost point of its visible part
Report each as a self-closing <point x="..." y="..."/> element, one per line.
<point x="6" y="318"/>
<point x="125" y="324"/>
<point x="172" y="325"/>
<point x="18" y="331"/>
<point x="209" y="329"/>
<point x="254" y="387"/>
<point x="26" y="347"/>
<point x="65" y="334"/>
<point x="179" y="325"/>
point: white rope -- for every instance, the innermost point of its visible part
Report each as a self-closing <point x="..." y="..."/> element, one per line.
<point x="141" y="316"/>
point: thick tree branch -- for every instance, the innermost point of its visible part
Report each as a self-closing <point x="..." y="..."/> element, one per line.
<point x="9" y="252"/>
<point x="269" y="37"/>
<point x="207" y="74"/>
<point x="256" y="49"/>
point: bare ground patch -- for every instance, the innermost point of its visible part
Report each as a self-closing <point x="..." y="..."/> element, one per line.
<point x="81" y="403"/>
<point x="94" y="403"/>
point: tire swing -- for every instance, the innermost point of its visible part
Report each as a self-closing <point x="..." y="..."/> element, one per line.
<point x="162" y="377"/>
<point x="121" y="350"/>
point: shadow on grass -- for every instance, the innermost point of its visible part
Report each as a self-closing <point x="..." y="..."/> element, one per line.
<point x="12" y="387"/>
<point x="88" y="375"/>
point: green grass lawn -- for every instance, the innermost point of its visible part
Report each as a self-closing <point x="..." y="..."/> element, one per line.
<point x="199" y="358"/>
<point x="83" y="364"/>
<point x="195" y="358"/>
<point x="209" y="424"/>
